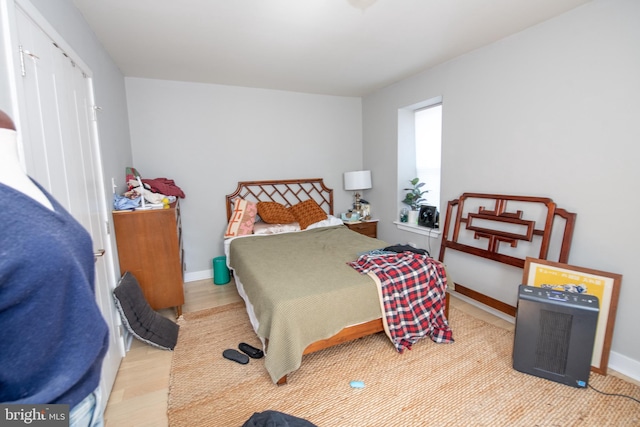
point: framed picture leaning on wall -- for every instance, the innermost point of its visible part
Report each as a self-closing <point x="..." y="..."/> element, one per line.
<point x="568" y="278"/>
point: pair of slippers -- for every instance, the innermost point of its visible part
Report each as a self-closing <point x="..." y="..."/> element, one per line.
<point x="242" y="358"/>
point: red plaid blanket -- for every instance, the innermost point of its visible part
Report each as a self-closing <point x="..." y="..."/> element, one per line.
<point x="413" y="294"/>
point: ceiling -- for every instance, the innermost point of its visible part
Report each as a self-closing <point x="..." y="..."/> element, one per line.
<point x="334" y="47"/>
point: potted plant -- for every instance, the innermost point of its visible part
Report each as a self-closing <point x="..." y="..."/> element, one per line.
<point x="414" y="199"/>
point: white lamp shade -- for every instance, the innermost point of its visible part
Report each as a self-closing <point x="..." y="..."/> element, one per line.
<point x="357" y="180"/>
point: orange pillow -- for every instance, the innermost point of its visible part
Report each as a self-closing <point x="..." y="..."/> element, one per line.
<point x="274" y="213"/>
<point x="242" y="219"/>
<point x="307" y="213"/>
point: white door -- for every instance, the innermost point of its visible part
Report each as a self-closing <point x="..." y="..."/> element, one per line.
<point x="59" y="136"/>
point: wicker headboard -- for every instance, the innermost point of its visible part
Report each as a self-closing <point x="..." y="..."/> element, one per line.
<point x="506" y="229"/>
<point x="287" y="192"/>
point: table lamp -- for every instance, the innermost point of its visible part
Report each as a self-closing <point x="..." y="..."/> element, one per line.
<point x="357" y="181"/>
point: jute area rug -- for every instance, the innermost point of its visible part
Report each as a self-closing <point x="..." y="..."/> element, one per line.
<point x="467" y="383"/>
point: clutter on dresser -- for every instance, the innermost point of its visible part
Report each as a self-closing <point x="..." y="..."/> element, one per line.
<point x="350" y="216"/>
<point x="361" y="213"/>
<point x="142" y="194"/>
<point x="365" y="208"/>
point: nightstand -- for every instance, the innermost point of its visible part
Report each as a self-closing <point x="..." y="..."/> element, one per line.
<point x="368" y="228"/>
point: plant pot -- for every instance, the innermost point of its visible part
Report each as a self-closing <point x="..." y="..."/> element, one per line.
<point x="413" y="217"/>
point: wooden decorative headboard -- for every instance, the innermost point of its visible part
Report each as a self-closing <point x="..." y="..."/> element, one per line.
<point x="506" y="229"/>
<point x="287" y="192"/>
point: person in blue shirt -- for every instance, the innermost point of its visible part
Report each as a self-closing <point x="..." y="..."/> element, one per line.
<point x="53" y="335"/>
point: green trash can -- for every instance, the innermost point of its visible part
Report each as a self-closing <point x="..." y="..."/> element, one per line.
<point x="220" y="271"/>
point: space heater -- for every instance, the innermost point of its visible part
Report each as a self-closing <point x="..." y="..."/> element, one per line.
<point x="554" y="335"/>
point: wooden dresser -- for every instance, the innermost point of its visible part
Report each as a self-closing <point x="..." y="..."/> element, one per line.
<point x="150" y="247"/>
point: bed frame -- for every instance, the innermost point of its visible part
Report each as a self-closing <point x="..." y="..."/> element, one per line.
<point x="290" y="192"/>
<point x="287" y="192"/>
<point x="508" y="230"/>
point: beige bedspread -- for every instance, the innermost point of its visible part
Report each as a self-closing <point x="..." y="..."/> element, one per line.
<point x="302" y="290"/>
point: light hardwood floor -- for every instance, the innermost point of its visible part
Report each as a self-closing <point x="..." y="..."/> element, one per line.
<point x="139" y="395"/>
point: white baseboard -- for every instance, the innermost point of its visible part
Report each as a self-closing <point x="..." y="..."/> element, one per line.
<point x="198" y="275"/>
<point x="486" y="308"/>
<point x="625" y="365"/>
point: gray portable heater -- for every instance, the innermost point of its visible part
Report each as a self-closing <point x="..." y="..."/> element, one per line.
<point x="555" y="332"/>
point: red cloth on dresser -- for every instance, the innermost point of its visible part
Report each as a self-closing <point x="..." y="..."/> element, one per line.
<point x="164" y="186"/>
<point x="413" y="294"/>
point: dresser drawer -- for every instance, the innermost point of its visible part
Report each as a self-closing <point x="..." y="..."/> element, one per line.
<point x="368" y="228"/>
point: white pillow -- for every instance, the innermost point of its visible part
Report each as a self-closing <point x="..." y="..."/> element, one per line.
<point x="330" y="221"/>
<point x="264" y="228"/>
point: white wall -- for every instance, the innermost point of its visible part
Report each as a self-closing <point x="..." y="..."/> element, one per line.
<point x="551" y="111"/>
<point x="208" y="137"/>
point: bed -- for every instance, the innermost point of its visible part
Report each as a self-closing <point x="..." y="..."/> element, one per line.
<point x="313" y="300"/>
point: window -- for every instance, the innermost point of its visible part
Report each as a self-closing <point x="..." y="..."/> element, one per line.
<point x="419" y="155"/>
<point x="428" y="138"/>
